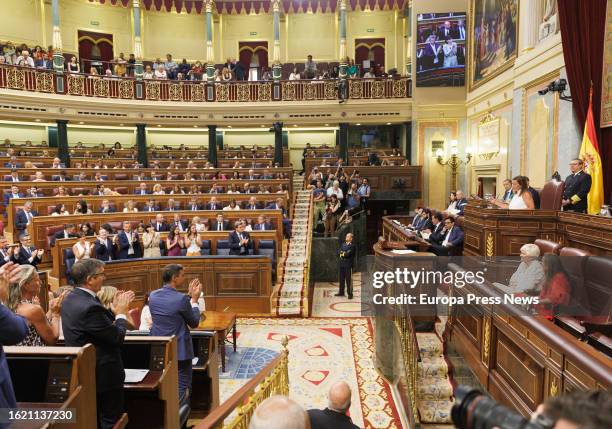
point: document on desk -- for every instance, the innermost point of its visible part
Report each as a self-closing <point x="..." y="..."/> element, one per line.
<point x="135" y="375"/>
<point x="402" y="252"/>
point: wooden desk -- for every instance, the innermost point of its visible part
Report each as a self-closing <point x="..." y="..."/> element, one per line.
<point x="220" y="322"/>
<point x="73" y="368"/>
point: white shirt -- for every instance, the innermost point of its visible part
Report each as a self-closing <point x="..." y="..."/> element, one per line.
<point x="446" y="237"/>
<point x="338" y="192"/>
<point x="517" y="203"/>
<point x="146" y="321"/>
<point x="92" y="293"/>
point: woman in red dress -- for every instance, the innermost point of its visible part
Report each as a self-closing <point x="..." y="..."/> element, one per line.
<point x="556" y="290"/>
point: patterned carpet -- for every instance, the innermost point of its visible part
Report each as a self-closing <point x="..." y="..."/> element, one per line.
<point x="321" y="352"/>
<point x="325" y="304"/>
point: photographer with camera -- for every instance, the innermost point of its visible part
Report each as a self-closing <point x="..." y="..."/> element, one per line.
<point x="573" y="410"/>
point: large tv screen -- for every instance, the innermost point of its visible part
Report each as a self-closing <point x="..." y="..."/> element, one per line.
<point x="441" y="49"/>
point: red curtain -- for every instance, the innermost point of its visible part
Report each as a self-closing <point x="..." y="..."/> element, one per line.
<point x="583" y="28"/>
<point x="248" y="49"/>
<point x="376" y="46"/>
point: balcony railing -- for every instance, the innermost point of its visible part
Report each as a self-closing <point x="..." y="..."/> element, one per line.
<point x="125" y="88"/>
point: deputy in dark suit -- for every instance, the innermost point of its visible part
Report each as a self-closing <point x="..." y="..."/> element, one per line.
<point x="28" y="254"/>
<point x="437" y="230"/>
<point x="577" y="187"/>
<point x="262" y="224"/>
<point x="252" y="204"/>
<point x="103" y="247"/>
<point x="461" y="202"/>
<point x="85" y="320"/>
<point x="160" y="224"/>
<point x="194" y="205"/>
<point x="142" y="189"/>
<point x="14" y="177"/>
<point x="69" y="231"/>
<point x="213" y="204"/>
<point x="128" y="245"/>
<point x="508" y="194"/>
<point x="13" y="194"/>
<point x="334" y="416"/>
<point x="14" y="329"/>
<point x="239" y="240"/>
<point x="220" y="224"/>
<point x="106" y="207"/>
<point x="453" y="240"/>
<point x="173" y="313"/>
<point x="24" y="217"/>
<point x="6" y="252"/>
<point x="181" y="223"/>
<point x="151" y="206"/>
<point x="346" y="256"/>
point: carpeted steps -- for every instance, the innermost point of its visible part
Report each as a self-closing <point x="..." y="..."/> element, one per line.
<point x="434" y="391"/>
<point x="291" y="296"/>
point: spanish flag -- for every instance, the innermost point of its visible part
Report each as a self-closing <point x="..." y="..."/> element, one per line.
<point x="589" y="153"/>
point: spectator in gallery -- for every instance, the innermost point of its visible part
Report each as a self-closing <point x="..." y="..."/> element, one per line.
<point x="120" y="65"/>
<point x="157" y="63"/>
<point x="226" y="74"/>
<point x="160" y="72"/>
<point x="171" y="67"/>
<point x="148" y="73"/>
<point x="295" y="75"/>
<point x="73" y="66"/>
<point x="131" y="63"/>
<point x="196" y="71"/>
<point x="352" y="70"/>
<point x="184" y="67"/>
<point x="310" y="68"/>
<point x="370" y="74"/>
<point x="332" y="211"/>
<point x="25" y="60"/>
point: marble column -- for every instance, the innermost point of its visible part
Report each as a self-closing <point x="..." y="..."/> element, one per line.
<point x="212" y="144"/>
<point x="343" y="62"/>
<point x="210" y="57"/>
<point x="408" y="15"/>
<point x="530" y="19"/>
<point x="62" y="142"/>
<point x="58" y="58"/>
<point x="138" y="69"/>
<point x="141" y="145"/>
<point x="276" y="65"/>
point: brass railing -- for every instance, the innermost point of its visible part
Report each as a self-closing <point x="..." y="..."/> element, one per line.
<point x="410" y="357"/>
<point x="272" y="380"/>
<point x="126" y="88"/>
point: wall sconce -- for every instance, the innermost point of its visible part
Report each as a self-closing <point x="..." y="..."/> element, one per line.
<point x="453" y="161"/>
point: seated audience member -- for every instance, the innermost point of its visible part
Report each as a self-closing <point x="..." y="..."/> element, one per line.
<point x="335" y="415"/>
<point x="181" y="224"/>
<point x="239" y="240"/>
<point x="220" y="224"/>
<point x="279" y="412"/>
<point x="130" y="207"/>
<point x="26" y="254"/>
<point x="523" y="199"/>
<point x="556" y="290"/>
<point x="24" y="217"/>
<point x="452" y="205"/>
<point x="33" y="192"/>
<point x="146" y="321"/>
<point x="86" y="229"/>
<point x="12" y="163"/>
<point x="262" y="224"/>
<point x="106" y="295"/>
<point x="105" y="207"/>
<point x="128" y="246"/>
<point x="232" y="205"/>
<point x="201" y="226"/>
<point x="158" y="190"/>
<point x="461" y="203"/>
<point x="160" y="223"/>
<point x="508" y="192"/>
<point x="193" y="242"/>
<point x="14" y="177"/>
<point x="213" y="204"/>
<point x="69" y="231"/>
<point x="81" y="208"/>
<point x="193" y="204"/>
<point x="13" y="194"/>
<point x="23" y="300"/>
<point x="103" y="246"/>
<point x="151" y="240"/>
<point x="151" y="206"/>
<point x="82" y="249"/>
<point x="142" y="189"/>
<point x="174" y="242"/>
<point x="453" y="239"/>
<point x="435" y="234"/>
<point x="39" y="177"/>
<point x="60" y="210"/>
<point x="172" y="205"/>
<point x="252" y="204"/>
<point x="529" y="275"/>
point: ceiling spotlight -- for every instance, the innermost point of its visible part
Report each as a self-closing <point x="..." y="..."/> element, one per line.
<point x="121" y="125"/>
<point x="158" y="126"/>
<point x="37" y="120"/>
<point x="295" y="125"/>
<point x="195" y="126"/>
<point x="262" y="126"/>
<point x="81" y="123"/>
<point x="229" y="126"/>
<point x="388" y="123"/>
<point x="358" y="124"/>
<point x="327" y="125"/>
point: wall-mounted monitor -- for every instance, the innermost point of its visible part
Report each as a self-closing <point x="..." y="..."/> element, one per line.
<point x="440" y="49"/>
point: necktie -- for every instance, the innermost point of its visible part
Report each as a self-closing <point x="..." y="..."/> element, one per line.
<point x="28" y="251"/>
<point x="29" y="214"/>
<point x="219" y="226"/>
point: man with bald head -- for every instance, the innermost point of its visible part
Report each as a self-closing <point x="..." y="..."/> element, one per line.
<point x="279" y="412"/>
<point x="334" y="416"/>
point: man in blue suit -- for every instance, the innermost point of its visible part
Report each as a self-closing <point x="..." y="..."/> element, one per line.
<point x="453" y="240"/>
<point x="24" y="218"/>
<point x="173" y="313"/>
<point x="13" y="194"/>
<point x="128" y="244"/>
<point x="14" y="329"/>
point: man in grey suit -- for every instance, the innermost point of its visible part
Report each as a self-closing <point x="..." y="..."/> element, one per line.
<point x="173" y="313"/>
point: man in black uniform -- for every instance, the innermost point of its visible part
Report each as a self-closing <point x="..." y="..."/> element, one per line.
<point x="577" y="187"/>
<point x="347" y="254"/>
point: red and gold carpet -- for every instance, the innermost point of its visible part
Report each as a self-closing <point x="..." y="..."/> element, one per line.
<point x="321" y="352"/>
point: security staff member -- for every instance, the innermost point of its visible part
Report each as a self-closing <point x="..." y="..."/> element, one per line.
<point x="577" y="187"/>
<point x="347" y="254"/>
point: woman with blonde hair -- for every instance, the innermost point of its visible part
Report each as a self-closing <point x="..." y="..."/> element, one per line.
<point x="23" y="300"/>
<point x="130" y="207"/>
<point x="82" y="248"/>
<point x="158" y="190"/>
<point x="106" y="295"/>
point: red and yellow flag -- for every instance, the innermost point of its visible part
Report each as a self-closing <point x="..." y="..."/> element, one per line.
<point x="589" y="153"/>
